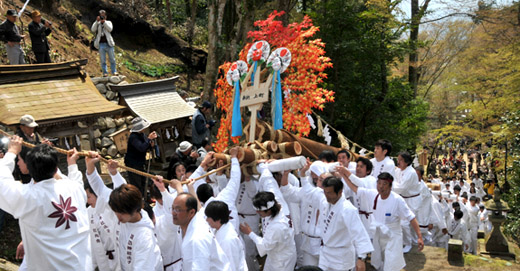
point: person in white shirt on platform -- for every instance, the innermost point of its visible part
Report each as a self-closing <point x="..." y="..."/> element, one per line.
<point x="52" y="213"/>
<point x="345" y="241"/>
<point x="473" y="211"/>
<point x="407" y="185"/>
<point x="360" y="179"/>
<point x="135" y="236"/>
<point x="200" y="250"/>
<point x="103" y="221"/>
<point x="312" y="201"/>
<point x="247" y="214"/>
<point x="382" y="161"/>
<point x="217" y="216"/>
<point x="388" y="210"/>
<point x="278" y="237"/>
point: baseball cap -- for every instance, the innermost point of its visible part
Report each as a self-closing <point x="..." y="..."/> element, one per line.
<point x="28" y="120"/>
<point x="11" y="12"/>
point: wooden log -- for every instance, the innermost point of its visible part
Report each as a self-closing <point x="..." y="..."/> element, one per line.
<point x="310" y="148"/>
<point x="290" y="148"/>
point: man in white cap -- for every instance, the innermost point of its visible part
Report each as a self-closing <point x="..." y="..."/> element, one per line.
<point x="27" y="132"/>
<point x="185" y="154"/>
<point x="138" y="145"/>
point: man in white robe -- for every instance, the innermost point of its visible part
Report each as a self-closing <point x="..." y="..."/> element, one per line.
<point x="382" y="161"/>
<point x="52" y="213"/>
<point x="473" y="211"/>
<point x="217" y="216"/>
<point x="345" y="241"/>
<point x="134" y="233"/>
<point x="360" y="179"/>
<point x="312" y="201"/>
<point x="103" y="221"/>
<point x="388" y="209"/>
<point x="407" y="185"/>
<point x="247" y="214"/>
<point x="200" y="250"/>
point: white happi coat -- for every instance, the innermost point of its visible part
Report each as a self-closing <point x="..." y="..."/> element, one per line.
<point x="458" y="230"/>
<point x="386" y="165"/>
<point x="364" y="208"/>
<point x="247" y="214"/>
<point x="344" y="237"/>
<point x="136" y="242"/>
<point x="424" y="211"/>
<point x="277" y="242"/>
<point x="312" y="203"/>
<point x="168" y="234"/>
<point x="228" y="195"/>
<point x="200" y="250"/>
<point x="406" y="184"/>
<point x="230" y="242"/>
<point x="268" y="183"/>
<point x="388" y="240"/>
<point x="103" y="223"/>
<point x="53" y="218"/>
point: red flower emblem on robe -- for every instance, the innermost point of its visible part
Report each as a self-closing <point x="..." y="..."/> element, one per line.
<point x="64" y="212"/>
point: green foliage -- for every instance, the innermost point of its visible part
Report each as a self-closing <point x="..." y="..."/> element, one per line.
<point x="363" y="41"/>
<point x="153" y="70"/>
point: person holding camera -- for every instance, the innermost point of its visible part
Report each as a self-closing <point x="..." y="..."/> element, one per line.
<point x="39" y="29"/>
<point x="104" y="42"/>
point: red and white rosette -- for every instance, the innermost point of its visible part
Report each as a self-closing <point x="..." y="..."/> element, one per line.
<point x="258" y="52"/>
<point x="237" y="70"/>
<point x="280" y="59"/>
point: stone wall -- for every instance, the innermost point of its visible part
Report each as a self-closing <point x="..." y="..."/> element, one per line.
<point x="105" y="126"/>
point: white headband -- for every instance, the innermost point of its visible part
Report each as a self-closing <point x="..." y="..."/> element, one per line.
<point x="270" y="205"/>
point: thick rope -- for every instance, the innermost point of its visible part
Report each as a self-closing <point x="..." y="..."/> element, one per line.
<point x="104" y="160"/>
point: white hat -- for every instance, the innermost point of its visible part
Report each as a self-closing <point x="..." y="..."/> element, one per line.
<point x="28" y="120"/>
<point x="184" y="146"/>
<point x="139" y="124"/>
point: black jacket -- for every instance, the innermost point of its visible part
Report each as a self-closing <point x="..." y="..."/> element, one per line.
<point x="138" y="145"/>
<point x="39" y="33"/>
<point x="9" y="32"/>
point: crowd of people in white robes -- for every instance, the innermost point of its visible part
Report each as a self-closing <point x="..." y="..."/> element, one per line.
<point x="335" y="213"/>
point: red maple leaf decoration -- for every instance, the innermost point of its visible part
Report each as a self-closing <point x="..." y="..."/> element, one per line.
<point x="64" y="212"/>
<point x="304" y="77"/>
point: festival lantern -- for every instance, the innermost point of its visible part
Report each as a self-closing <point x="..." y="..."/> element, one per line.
<point x="236" y="73"/>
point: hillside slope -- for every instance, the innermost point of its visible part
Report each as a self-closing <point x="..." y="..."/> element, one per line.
<point x="143" y="51"/>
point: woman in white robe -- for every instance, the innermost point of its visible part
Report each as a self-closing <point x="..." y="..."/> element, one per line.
<point x="278" y="237"/>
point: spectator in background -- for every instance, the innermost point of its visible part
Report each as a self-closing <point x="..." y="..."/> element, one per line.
<point x="10" y="34"/>
<point x="138" y="145"/>
<point x="204" y="149"/>
<point x="104" y="42"/>
<point x="201" y="127"/>
<point x="183" y="154"/>
<point x="39" y="29"/>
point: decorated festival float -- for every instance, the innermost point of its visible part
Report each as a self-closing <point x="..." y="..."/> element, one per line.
<point x="277" y="78"/>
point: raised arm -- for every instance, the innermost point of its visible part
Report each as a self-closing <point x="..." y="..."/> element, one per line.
<point x="116" y="177"/>
<point x="230" y="192"/>
<point x="11" y="192"/>
<point x="201" y="170"/>
<point x="74" y="173"/>
<point x="344" y="173"/>
<point x="93" y="177"/>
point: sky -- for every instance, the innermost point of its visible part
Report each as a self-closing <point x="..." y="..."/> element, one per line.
<point x="439" y="8"/>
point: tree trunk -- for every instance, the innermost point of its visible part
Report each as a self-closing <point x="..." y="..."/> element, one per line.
<point x="211" y="64"/>
<point x="413" y="77"/>
<point x="169" y="12"/>
<point x="191" y="32"/>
